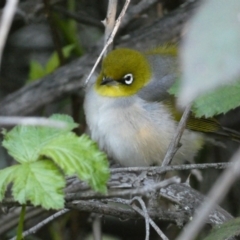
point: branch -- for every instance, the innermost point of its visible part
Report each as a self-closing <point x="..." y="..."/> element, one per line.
<point x="110" y="38"/>
<point x="160" y="170"/>
<point x="153" y="224"/>
<point x="174" y="144"/>
<point x="31" y="121"/>
<point x="6" y="21"/>
<point x="135" y="183"/>
<point x="109" y="22"/>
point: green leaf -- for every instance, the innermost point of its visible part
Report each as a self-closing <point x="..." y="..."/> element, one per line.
<point x="40" y="182"/>
<point x="7" y="175"/>
<point x="66" y="119"/>
<point x="24" y="143"/>
<point x="36" y="71"/>
<point x="210" y="54"/>
<point x="220" y="100"/>
<point x="54" y="63"/>
<point x="79" y="156"/>
<point x="225" y="231"/>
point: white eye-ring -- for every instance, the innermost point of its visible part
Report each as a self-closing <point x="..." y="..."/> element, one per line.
<point x="128" y="79"/>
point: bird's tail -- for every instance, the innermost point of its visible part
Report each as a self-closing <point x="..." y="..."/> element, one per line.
<point x="231" y="134"/>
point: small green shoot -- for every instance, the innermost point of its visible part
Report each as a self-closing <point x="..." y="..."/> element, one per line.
<point x="38" y="71"/>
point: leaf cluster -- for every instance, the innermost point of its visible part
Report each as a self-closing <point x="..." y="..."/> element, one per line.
<point x="45" y="155"/>
<point x="210" y="60"/>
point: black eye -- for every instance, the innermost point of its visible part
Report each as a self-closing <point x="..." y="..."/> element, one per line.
<point x="128" y="79"/>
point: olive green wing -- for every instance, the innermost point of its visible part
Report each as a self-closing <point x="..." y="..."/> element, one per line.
<point x="210" y="126"/>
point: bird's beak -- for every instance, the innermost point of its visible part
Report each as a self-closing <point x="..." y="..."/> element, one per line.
<point x="108" y="81"/>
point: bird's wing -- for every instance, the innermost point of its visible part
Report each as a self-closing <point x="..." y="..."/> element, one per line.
<point x="210" y="126"/>
<point x="163" y="76"/>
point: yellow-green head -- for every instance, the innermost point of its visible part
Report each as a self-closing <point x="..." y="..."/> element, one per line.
<point x="124" y="72"/>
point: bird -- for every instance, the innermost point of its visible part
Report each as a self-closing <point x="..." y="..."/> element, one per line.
<point x="131" y="115"/>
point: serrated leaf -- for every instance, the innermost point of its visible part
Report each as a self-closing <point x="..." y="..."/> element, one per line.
<point x="39" y="182"/>
<point x="220" y="100"/>
<point x="210" y="58"/>
<point x="66" y="119"/>
<point x="79" y="156"/>
<point x="225" y="231"/>
<point x="54" y="63"/>
<point x="36" y="71"/>
<point x="24" y="143"/>
<point x="6" y="176"/>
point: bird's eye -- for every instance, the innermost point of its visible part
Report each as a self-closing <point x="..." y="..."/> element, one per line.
<point x="128" y="79"/>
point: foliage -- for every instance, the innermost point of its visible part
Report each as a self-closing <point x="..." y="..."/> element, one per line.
<point x="44" y="154"/>
<point x="210" y="55"/>
<point x="69" y="29"/>
<point x="218" y="101"/>
<point x="38" y="71"/>
<point x="225" y="231"/>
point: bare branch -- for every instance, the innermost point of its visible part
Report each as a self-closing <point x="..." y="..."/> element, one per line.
<point x="174" y="144"/>
<point x="160" y="170"/>
<point x="6" y="21"/>
<point x="181" y="194"/>
<point x="110" y="39"/>
<point x="96" y="227"/>
<point x="143" y="190"/>
<point x="31" y="121"/>
<point x="153" y="224"/>
<point x="143" y="213"/>
<point x="109" y="22"/>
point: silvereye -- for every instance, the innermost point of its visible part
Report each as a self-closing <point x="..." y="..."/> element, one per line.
<point x="131" y="115"/>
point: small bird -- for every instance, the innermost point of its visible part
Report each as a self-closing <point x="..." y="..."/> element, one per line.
<point x="131" y="115"/>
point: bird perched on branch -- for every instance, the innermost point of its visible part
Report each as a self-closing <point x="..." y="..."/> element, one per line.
<point x="131" y="115"/>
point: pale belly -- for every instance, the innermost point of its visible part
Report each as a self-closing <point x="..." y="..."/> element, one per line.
<point x="135" y="135"/>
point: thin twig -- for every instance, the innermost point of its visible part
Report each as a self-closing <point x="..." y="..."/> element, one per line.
<point x="96" y="227"/>
<point x="42" y="223"/>
<point x="216" y="194"/>
<point x="122" y="193"/>
<point x="5" y="23"/>
<point x="110" y="39"/>
<point x="174" y="144"/>
<point x="31" y="121"/>
<point x="144" y="213"/>
<point x="109" y="25"/>
<point x="160" y="170"/>
<point x="109" y="22"/>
